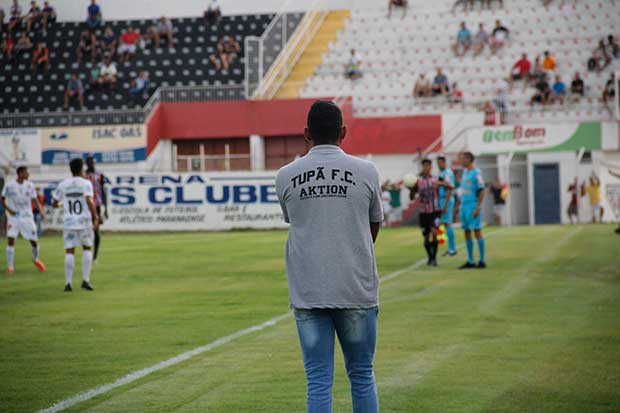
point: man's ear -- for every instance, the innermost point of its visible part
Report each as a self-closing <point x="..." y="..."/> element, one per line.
<point x="343" y="133"/>
<point x="308" y="137"/>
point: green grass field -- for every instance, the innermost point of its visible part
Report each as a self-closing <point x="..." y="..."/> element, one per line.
<point x="538" y="331"/>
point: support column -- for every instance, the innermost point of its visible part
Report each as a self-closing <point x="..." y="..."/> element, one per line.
<point x="257" y="153"/>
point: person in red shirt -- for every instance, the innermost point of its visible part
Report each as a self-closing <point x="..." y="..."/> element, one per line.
<point x="41" y="57"/>
<point x="8" y="45"/>
<point x="128" y="45"/>
<point x="521" y="71"/>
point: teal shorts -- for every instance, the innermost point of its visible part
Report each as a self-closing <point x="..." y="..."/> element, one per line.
<point x="467" y="217"/>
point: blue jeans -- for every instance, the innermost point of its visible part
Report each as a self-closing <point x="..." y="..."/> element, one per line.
<point x="357" y="333"/>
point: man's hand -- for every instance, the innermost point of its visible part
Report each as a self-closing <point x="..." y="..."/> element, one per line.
<point x="95" y="224"/>
<point x="105" y="214"/>
<point x="42" y="212"/>
<point x="443" y="211"/>
<point x="476" y="212"/>
<point x="11" y="212"/>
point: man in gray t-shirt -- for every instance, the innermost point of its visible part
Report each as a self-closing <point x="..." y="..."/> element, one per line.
<point x="333" y="203"/>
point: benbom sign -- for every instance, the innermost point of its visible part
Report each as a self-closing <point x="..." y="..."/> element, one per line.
<point x="184" y="202"/>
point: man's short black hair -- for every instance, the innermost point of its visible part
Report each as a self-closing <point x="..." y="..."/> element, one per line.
<point x="324" y="122"/>
<point x="469" y="155"/>
<point x="21" y="169"/>
<point x="426" y="161"/>
<point x="441" y="158"/>
<point x="77" y="166"/>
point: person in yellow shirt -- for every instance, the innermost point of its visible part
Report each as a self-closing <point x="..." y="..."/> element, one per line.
<point x="594" y="194"/>
<point x="549" y="63"/>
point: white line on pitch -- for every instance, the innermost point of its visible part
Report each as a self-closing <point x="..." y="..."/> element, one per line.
<point x="136" y="375"/>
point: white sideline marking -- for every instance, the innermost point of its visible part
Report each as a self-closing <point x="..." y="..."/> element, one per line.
<point x="137" y="375"/>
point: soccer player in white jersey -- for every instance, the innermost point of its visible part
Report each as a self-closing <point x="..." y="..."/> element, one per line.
<point x="80" y="221"/>
<point x="17" y="198"/>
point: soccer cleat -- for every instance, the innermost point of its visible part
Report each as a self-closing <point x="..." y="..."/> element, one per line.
<point x="68" y="288"/>
<point x="10" y="270"/>
<point x="452" y="253"/>
<point x="446" y="254"/>
<point x="429" y="262"/>
<point x="468" y="265"/>
<point x="87" y="286"/>
<point x="482" y="264"/>
<point x="39" y="265"/>
<point x="434" y="262"/>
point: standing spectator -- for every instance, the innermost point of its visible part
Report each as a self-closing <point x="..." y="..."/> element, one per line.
<point x="422" y="87"/>
<point x="127" y="46"/>
<point x="48" y="15"/>
<point x="36" y="212"/>
<point x="397" y="3"/>
<point x="353" y="66"/>
<point x="139" y="85"/>
<point x="521" y="71"/>
<point x="594" y="195"/>
<point x="227" y="49"/>
<point x="15" y="16"/>
<point x="23" y="43"/>
<point x="94" y="17"/>
<point x="577" y="87"/>
<point x="395" y="202"/>
<point x="441" y="85"/>
<point x="501" y="99"/>
<point x="86" y="46"/>
<point x="456" y="94"/>
<point x="32" y="16"/>
<point x="463" y="41"/>
<point x="108" y="72"/>
<point x="74" y="89"/>
<point x="480" y="40"/>
<point x="609" y="92"/>
<point x="573" y="206"/>
<point x="499" y="200"/>
<point x="108" y="43"/>
<point x="542" y="91"/>
<point x="162" y="28"/>
<point x="558" y="91"/>
<point x="499" y="36"/>
<point x="549" y="63"/>
<point x="612" y="47"/>
<point x="41" y="57"/>
<point x="213" y="13"/>
<point x="8" y="45"/>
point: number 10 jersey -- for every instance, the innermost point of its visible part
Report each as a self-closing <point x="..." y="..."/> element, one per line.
<point x="72" y="193"/>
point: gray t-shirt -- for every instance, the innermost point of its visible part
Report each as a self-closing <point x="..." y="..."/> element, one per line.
<point x="330" y="198"/>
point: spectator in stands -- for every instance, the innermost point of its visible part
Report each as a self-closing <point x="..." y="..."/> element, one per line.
<point x="128" y="43"/>
<point x="422" y="87"/>
<point x="23" y="43"/>
<point x="74" y="89"/>
<point x="353" y="67"/>
<point x="480" y="40"/>
<point x="94" y="76"/>
<point x="163" y="28"/>
<point x="15" y="16"/>
<point x="613" y="49"/>
<point x="463" y="41"/>
<point x="500" y="101"/>
<point x="499" y="36"/>
<point x="456" y="94"/>
<point x="600" y="56"/>
<point x="139" y="85"/>
<point x="41" y="57"/>
<point x="609" y="92"/>
<point x="577" y="87"/>
<point x="8" y="45"/>
<point x="48" y="15"/>
<point x="94" y="17"/>
<point x="542" y="91"/>
<point x="86" y="46"/>
<point x="521" y="70"/>
<point x="213" y="13"/>
<point x="558" y="91"/>
<point x="108" y="72"/>
<point x="108" y="43"/>
<point x="397" y="3"/>
<point x="32" y="16"/>
<point x="464" y="3"/>
<point x="441" y="85"/>
<point x="537" y="71"/>
<point x="549" y="63"/>
<point x="227" y="49"/>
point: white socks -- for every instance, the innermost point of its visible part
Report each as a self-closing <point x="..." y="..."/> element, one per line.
<point x="10" y="255"/>
<point x="35" y="253"/>
<point x="69" y="261"/>
<point x="87" y="264"/>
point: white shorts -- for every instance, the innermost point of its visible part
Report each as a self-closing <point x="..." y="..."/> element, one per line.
<point x="21" y="225"/>
<point x="78" y="238"/>
<point x="596" y="208"/>
<point x="127" y="48"/>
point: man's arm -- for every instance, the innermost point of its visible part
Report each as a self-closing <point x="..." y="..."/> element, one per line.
<point x="374" y="230"/>
<point x="479" y="203"/>
<point x="6" y="207"/>
<point x="39" y="206"/>
<point x="447" y="201"/>
<point x="93" y="212"/>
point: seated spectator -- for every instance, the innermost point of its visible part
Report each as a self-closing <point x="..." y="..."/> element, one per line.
<point x="422" y="87"/>
<point x="213" y="13"/>
<point x="537" y="71"/>
<point x="48" y="15"/>
<point x="577" y="87"/>
<point x="32" y="16"/>
<point x="94" y="17"/>
<point x="86" y="46"/>
<point x="108" y="72"/>
<point x="500" y="101"/>
<point x="140" y="84"/>
<point x="558" y="91"/>
<point x="8" y="45"/>
<point x="41" y="56"/>
<point x="15" y="16"/>
<point x="521" y="70"/>
<point x="441" y="85"/>
<point x="74" y="89"/>
<point x="609" y="91"/>
<point x="353" y="67"/>
<point x="94" y="76"/>
<point x="163" y="28"/>
<point x="456" y="95"/>
<point x="23" y="43"/>
<point x="612" y="47"/>
<point x="397" y="3"/>
<point x="463" y="41"/>
<point x="128" y="43"/>
<point x="108" y="43"/>
<point x="542" y="91"/>
<point x="480" y="40"/>
<point x="499" y="36"/>
<point x="549" y="64"/>
<point x="227" y="49"/>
